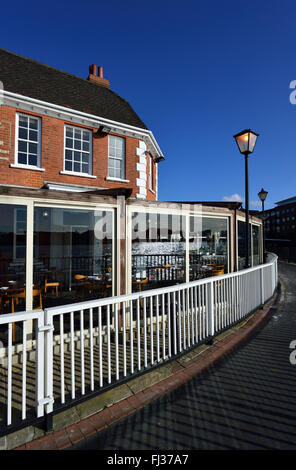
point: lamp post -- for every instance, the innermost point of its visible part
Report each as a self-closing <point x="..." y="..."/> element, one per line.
<point x="262" y="196"/>
<point x="246" y="141"/>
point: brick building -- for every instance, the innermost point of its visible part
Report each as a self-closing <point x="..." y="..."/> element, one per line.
<point x="62" y="129"/>
<point x="79" y="216"/>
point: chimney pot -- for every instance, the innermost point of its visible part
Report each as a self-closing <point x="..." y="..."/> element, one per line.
<point x="93" y="69"/>
<point x="100" y="71"/>
<point x="97" y="78"/>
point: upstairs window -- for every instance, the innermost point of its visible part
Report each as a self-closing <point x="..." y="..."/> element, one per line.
<point x="116" y="159"/>
<point x="28" y="141"/>
<point x="78" y="151"/>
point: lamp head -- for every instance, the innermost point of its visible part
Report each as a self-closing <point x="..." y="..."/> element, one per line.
<point x="262" y="195"/>
<point x="246" y="141"/>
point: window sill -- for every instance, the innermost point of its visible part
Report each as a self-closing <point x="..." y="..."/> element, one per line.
<point x="26" y="167"/>
<point x="72" y="173"/>
<point x="109" y="178"/>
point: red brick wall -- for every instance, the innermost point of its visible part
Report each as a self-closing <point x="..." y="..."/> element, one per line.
<point x="52" y="156"/>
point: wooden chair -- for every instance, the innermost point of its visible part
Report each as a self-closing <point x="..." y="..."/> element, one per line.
<point x="82" y="284"/>
<point x="22" y="295"/>
<point x="141" y="282"/>
<point x="51" y="284"/>
<point x="217" y="272"/>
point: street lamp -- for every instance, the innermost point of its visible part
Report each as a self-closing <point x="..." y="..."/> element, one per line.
<point x="246" y="141"/>
<point x="262" y="196"/>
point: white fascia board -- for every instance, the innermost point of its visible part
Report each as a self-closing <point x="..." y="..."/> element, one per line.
<point x="69" y="114"/>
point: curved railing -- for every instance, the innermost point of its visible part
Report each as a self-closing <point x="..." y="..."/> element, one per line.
<point x="104" y="342"/>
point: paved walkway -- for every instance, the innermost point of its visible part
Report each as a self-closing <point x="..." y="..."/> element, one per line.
<point x="247" y="401"/>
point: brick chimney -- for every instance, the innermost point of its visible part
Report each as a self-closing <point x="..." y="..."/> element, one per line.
<point x="97" y="77"/>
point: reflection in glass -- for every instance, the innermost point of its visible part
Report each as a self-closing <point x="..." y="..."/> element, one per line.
<point x="72" y="254"/>
<point x="13" y="230"/>
<point x="158" y="250"/>
<point x="256" y="258"/>
<point x="208" y="247"/>
<point x="241" y="245"/>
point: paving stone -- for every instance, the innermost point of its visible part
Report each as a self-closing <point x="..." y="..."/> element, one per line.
<point x="144" y="381"/>
<point x="48" y="443"/>
<point x="74" y="433"/>
<point x="62" y="439"/>
<point x="100" y="402"/>
<point x="86" y="427"/>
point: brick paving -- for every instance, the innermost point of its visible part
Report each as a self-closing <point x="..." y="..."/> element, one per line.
<point x="196" y="365"/>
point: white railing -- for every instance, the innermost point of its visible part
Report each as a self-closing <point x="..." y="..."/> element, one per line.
<point x="84" y="347"/>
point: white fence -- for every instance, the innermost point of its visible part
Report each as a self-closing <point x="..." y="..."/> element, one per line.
<point x="82" y="348"/>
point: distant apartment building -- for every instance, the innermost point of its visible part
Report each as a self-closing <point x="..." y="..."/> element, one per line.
<point x="281" y="222"/>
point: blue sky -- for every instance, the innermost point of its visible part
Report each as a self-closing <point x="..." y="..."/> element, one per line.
<point x="196" y="73"/>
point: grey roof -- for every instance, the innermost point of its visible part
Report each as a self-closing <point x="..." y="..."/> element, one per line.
<point x="42" y="82"/>
<point x="290" y="200"/>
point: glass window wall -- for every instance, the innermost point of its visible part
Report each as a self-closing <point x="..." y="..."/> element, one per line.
<point x="256" y="253"/>
<point x="13" y="235"/>
<point x="158" y="250"/>
<point x="208" y="253"/>
<point x="72" y="254"/>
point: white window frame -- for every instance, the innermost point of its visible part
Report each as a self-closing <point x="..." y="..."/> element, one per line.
<point x="22" y="165"/>
<point x="122" y="160"/>
<point x="90" y="153"/>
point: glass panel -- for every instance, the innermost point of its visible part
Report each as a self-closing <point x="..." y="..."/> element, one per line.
<point x="33" y="160"/>
<point x="69" y="143"/>
<point x="255" y="232"/>
<point x="23" y="146"/>
<point x="68" y="165"/>
<point x="158" y="250"/>
<point x="208" y="247"/>
<point x="86" y="135"/>
<point x="33" y="148"/>
<point x="69" y="132"/>
<point x="33" y="123"/>
<point x="22" y="158"/>
<point x="85" y="146"/>
<point x="23" y="133"/>
<point x="77" y="167"/>
<point x="33" y="135"/>
<point x="77" y="134"/>
<point x="72" y="254"/>
<point x="77" y="144"/>
<point x="241" y="243"/>
<point x="84" y="168"/>
<point x="68" y="154"/>
<point x="13" y="231"/>
<point x="23" y="121"/>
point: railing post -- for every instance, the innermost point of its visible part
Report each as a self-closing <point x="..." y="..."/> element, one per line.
<point x="48" y="369"/>
<point x="262" y="286"/>
<point x="210" y="311"/>
<point x="40" y="366"/>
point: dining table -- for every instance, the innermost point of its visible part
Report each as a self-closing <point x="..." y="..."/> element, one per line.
<point x="8" y="290"/>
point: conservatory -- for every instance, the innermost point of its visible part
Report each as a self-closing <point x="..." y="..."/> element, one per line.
<point x="58" y="248"/>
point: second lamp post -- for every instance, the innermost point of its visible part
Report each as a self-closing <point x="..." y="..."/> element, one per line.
<point x="246" y="141"/>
